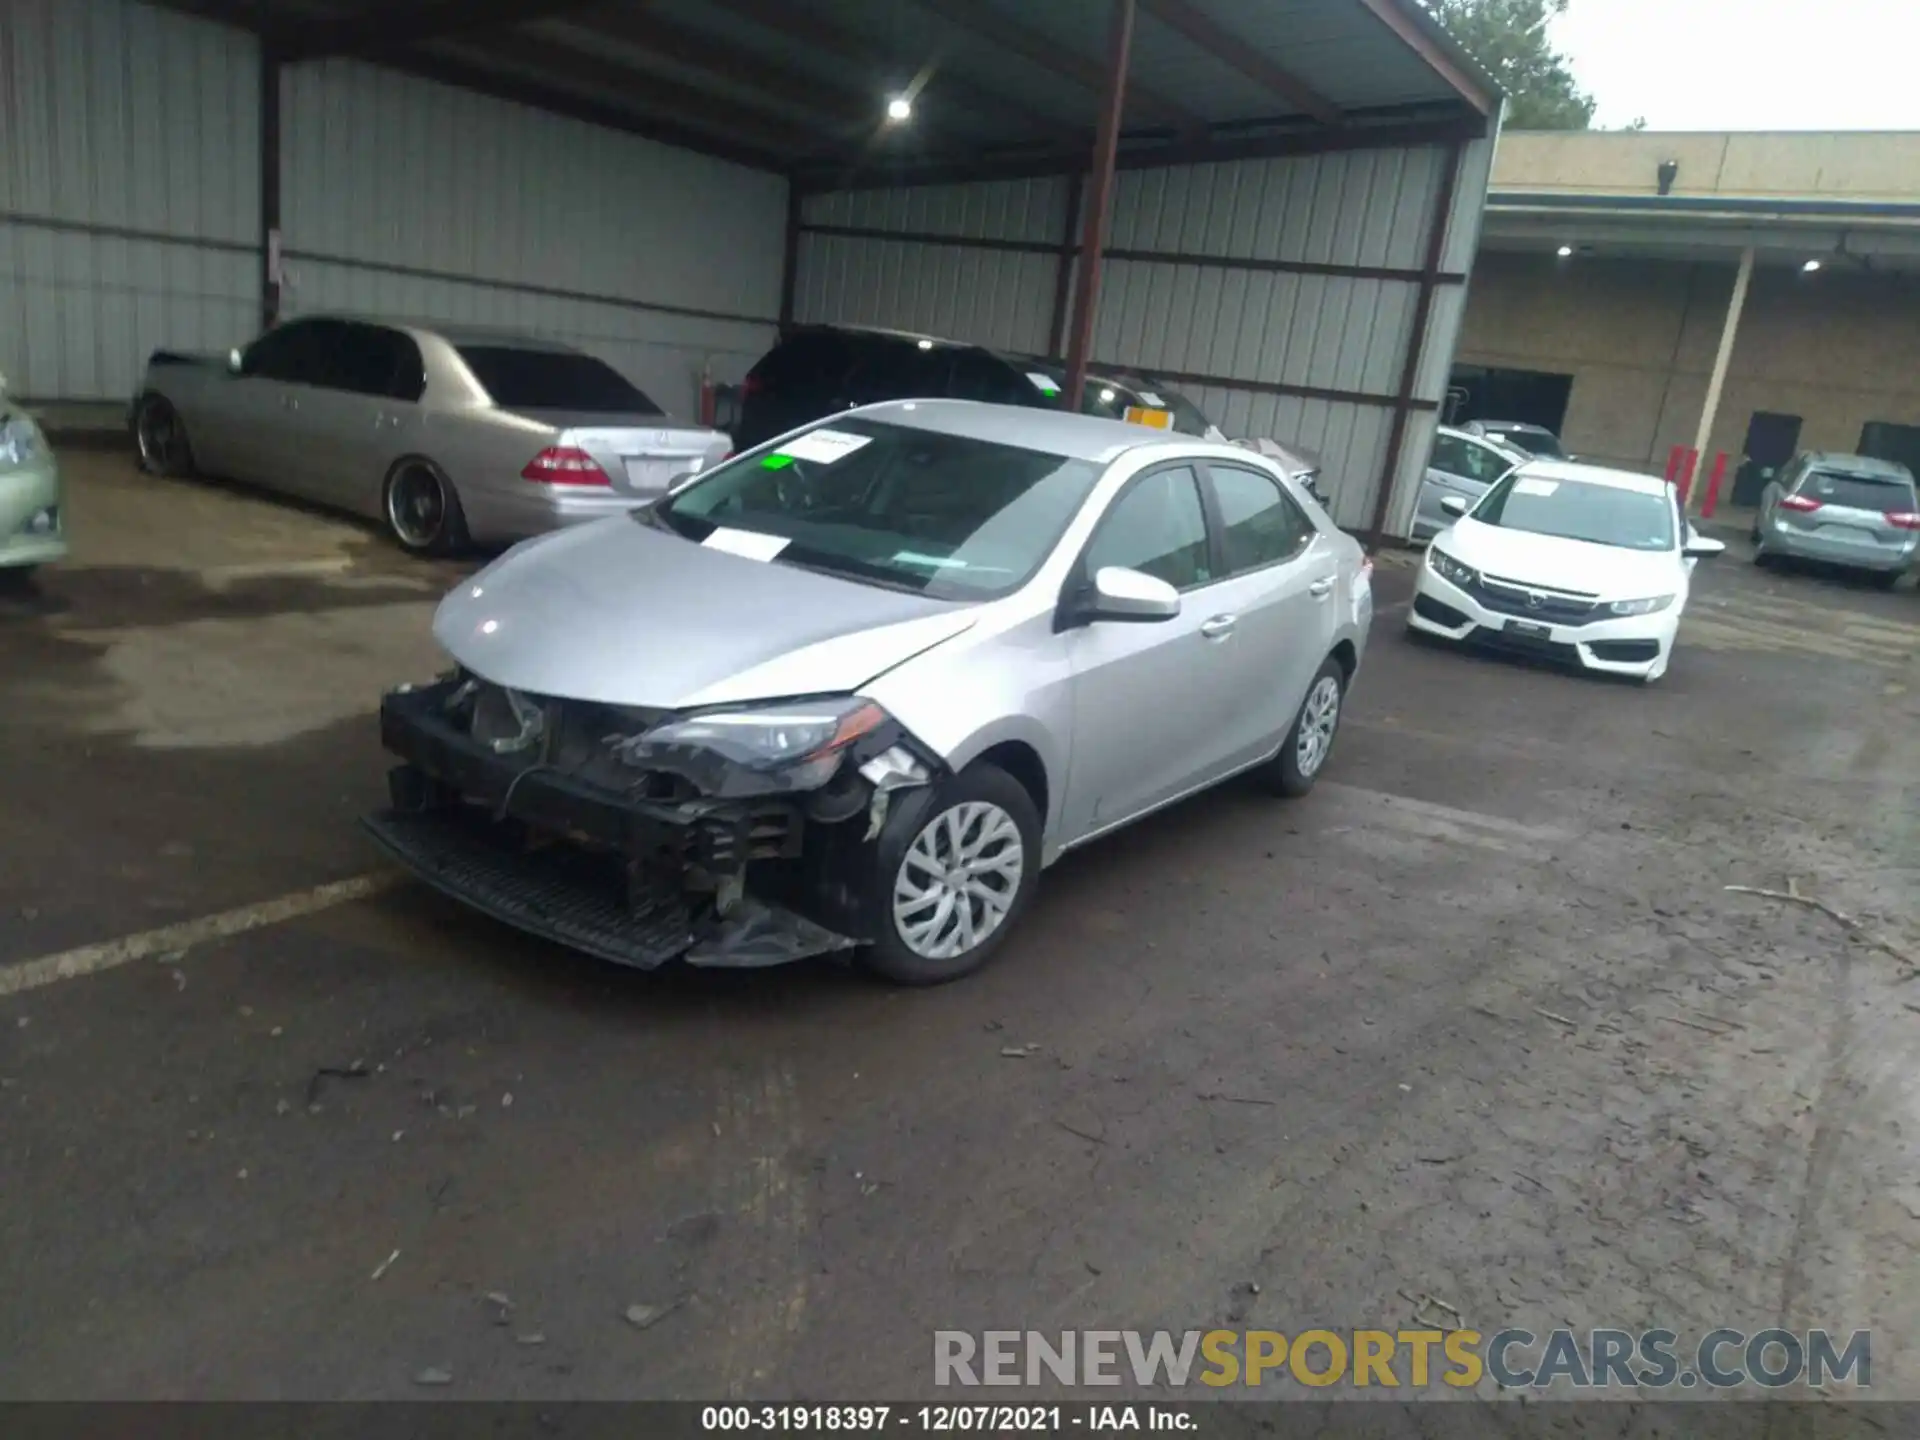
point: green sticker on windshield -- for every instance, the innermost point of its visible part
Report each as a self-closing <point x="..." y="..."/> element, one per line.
<point x="776" y="462"/>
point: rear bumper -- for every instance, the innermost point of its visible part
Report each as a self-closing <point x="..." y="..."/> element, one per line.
<point x="625" y="879"/>
<point x="1779" y="538"/>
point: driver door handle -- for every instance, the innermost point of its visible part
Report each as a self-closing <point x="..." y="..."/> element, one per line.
<point x="1320" y="589"/>
<point x="1219" y="627"/>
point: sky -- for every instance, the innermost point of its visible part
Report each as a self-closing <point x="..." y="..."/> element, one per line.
<point x="1747" y="64"/>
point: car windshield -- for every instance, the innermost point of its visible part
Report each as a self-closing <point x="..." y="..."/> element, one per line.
<point x="520" y="378"/>
<point x="1534" y="442"/>
<point x="1579" y="510"/>
<point x="948" y="516"/>
<point x="1859" y="492"/>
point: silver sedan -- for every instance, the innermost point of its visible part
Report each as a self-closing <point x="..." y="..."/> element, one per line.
<point x="856" y="688"/>
<point x="446" y="436"/>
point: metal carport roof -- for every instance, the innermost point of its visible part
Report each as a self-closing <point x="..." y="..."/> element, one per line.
<point x="800" y="86"/>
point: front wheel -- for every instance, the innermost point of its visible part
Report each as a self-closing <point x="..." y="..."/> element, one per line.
<point x="952" y="874"/>
<point x="1303" y="756"/>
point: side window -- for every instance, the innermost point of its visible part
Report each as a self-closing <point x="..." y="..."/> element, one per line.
<point x="978" y="376"/>
<point x="1449" y="455"/>
<point x="1158" y="528"/>
<point x="372" y="360"/>
<point x="809" y="362"/>
<point x="409" y="369"/>
<point x="1260" y="523"/>
<point x="1484" y="463"/>
<point x="286" y="352"/>
<point x="890" y="369"/>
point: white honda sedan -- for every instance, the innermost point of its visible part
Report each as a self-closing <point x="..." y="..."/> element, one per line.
<point x="1564" y="561"/>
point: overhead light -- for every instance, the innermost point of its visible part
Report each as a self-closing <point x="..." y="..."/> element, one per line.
<point x="926" y="344"/>
<point x="1811" y="266"/>
<point x="1564" y="251"/>
<point x="899" y="108"/>
<point x="1106" y="397"/>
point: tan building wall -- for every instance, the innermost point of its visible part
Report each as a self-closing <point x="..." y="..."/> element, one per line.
<point x="1814" y="166"/>
<point x="1638" y="337"/>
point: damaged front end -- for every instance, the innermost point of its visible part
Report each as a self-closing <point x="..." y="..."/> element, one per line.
<point x="734" y="837"/>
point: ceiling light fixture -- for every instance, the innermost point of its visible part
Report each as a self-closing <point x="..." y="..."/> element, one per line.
<point x="899" y="108"/>
<point x="1565" y="251"/>
<point x="1811" y="266"/>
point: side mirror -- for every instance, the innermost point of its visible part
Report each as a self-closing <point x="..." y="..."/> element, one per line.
<point x="1454" y="504"/>
<point x="1702" y="547"/>
<point x="235" y="361"/>
<point x="1120" y="594"/>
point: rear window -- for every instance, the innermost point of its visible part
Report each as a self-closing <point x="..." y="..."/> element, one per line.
<point x="1858" y="492"/>
<point x="520" y="379"/>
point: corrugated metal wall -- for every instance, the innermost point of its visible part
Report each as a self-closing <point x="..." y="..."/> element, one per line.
<point x="130" y="211"/>
<point x="129" y="191"/>
<point x="998" y="297"/>
<point x="1253" y="278"/>
<point x="404" y="197"/>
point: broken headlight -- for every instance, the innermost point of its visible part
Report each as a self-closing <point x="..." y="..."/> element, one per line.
<point x="797" y="745"/>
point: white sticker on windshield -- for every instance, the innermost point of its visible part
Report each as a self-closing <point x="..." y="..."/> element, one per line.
<point x="750" y="543"/>
<point x="1526" y="485"/>
<point x="1152" y="399"/>
<point x="823" y="447"/>
<point x="1045" y="384"/>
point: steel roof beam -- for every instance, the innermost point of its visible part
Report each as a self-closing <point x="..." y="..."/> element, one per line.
<point x="1229" y="49"/>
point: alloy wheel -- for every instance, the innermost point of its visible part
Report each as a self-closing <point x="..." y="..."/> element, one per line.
<point x="416" y="507"/>
<point x="957" y="882"/>
<point x="1319" y="717"/>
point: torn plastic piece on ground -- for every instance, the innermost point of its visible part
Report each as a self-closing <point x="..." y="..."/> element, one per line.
<point x="758" y="934"/>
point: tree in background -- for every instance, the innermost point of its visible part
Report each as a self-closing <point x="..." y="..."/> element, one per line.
<point x="1509" y="38"/>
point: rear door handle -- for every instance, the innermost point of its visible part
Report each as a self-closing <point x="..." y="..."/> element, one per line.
<point x="1219" y="627"/>
<point x="1320" y="589"/>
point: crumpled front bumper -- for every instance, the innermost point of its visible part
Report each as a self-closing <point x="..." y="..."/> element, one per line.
<point x="580" y="863"/>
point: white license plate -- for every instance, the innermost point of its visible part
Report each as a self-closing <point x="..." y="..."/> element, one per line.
<point x="647" y="474"/>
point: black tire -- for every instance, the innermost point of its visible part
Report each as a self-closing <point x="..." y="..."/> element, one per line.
<point x="418" y="524"/>
<point x="1286" y="774"/>
<point x="890" y="956"/>
<point x="1886" y="579"/>
<point x="160" y="439"/>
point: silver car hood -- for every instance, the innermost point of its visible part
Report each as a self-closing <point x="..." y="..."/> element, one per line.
<point x="623" y="614"/>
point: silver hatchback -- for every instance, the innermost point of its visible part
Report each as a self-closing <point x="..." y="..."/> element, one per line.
<point x="1847" y="510"/>
<point x="857" y="687"/>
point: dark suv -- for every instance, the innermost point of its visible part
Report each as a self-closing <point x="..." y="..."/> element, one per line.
<point x="818" y="369"/>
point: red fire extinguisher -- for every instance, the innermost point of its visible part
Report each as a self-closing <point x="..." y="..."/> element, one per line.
<point x="708" y="397"/>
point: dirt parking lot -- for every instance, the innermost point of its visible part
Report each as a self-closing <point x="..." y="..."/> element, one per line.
<point x="1478" y="1020"/>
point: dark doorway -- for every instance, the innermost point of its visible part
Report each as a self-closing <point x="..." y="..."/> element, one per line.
<point x="1531" y="397"/>
<point x="1771" y="442"/>
<point x="1884" y="440"/>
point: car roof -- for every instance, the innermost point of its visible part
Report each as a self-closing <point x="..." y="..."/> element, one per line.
<point x="1858" y="465"/>
<point x="1473" y="437"/>
<point x="1525" y="425"/>
<point x="1054" y="432"/>
<point x="880" y="332"/>
<point x="455" y="334"/>
<point x="1573" y="470"/>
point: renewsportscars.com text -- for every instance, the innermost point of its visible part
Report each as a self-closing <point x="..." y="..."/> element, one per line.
<point x="1518" y="1359"/>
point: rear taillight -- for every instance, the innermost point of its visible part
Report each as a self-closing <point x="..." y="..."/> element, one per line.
<point x="1905" y="519"/>
<point x="1803" y="503"/>
<point x="565" y="465"/>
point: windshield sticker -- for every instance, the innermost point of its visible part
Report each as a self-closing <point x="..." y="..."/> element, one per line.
<point x="749" y="543"/>
<point x="1526" y="485"/>
<point x="1045" y="384"/>
<point x="1153" y="400"/>
<point x="776" y="462"/>
<point x="930" y="562"/>
<point x="1154" y="419"/>
<point x="823" y="447"/>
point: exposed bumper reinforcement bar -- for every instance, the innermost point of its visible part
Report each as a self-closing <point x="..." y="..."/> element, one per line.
<point x="574" y="897"/>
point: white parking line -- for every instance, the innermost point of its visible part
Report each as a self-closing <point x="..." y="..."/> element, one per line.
<point x="108" y="954"/>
